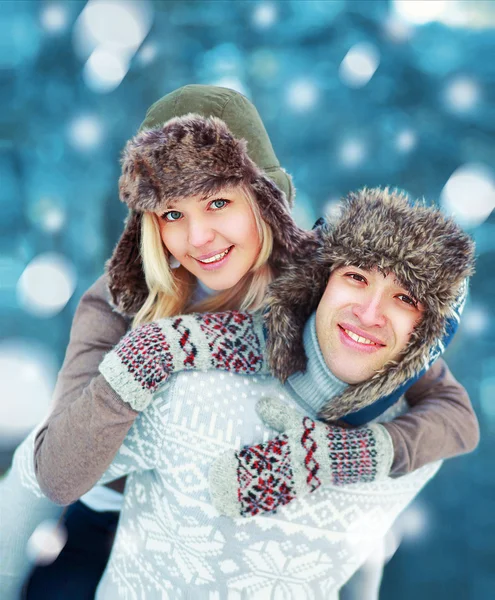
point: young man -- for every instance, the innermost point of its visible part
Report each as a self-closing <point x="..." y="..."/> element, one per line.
<point x="359" y="297"/>
<point x="362" y="317"/>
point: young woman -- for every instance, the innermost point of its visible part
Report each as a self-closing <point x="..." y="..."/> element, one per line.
<point x="80" y="396"/>
<point x="84" y="406"/>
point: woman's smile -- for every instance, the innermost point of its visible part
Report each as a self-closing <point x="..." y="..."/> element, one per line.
<point x="215" y="260"/>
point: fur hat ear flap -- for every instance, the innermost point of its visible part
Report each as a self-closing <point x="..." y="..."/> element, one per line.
<point x="288" y="238"/>
<point x="291" y="299"/>
<point x="126" y="281"/>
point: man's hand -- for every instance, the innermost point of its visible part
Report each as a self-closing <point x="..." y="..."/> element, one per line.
<point x="306" y="455"/>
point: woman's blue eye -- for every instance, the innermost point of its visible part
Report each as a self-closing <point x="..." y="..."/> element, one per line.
<point x="217" y="204"/>
<point x="172" y="215"/>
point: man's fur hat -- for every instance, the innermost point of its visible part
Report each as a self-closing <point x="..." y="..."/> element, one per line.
<point x="194" y="154"/>
<point x="427" y="252"/>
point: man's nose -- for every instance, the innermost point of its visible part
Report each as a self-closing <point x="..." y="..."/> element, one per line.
<point x="371" y="310"/>
<point x="200" y="233"/>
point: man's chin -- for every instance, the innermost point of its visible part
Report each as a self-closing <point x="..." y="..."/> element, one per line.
<point x="352" y="376"/>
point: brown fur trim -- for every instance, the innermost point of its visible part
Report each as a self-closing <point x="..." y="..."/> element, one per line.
<point x="428" y="253"/>
<point x="126" y="282"/>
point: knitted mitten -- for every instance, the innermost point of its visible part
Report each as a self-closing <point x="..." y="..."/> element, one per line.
<point x="146" y="356"/>
<point x="306" y="455"/>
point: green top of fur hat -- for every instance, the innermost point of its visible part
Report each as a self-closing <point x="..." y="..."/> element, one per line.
<point x="238" y="113"/>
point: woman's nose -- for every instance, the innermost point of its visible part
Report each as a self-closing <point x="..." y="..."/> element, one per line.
<point x="200" y="233"/>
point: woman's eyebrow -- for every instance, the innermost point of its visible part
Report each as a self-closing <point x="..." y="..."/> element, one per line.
<point x="170" y="205"/>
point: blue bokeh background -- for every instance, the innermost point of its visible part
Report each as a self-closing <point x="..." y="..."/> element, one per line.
<point x="352" y="93"/>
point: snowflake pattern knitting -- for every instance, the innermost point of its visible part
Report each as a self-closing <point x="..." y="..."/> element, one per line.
<point x="172" y="543"/>
<point x="264" y="476"/>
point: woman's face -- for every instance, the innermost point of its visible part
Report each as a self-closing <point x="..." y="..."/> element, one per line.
<point x="214" y="238"/>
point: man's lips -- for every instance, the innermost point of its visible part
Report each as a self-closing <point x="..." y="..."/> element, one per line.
<point x="362" y="334"/>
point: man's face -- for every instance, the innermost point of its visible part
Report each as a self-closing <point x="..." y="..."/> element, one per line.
<point x="363" y="321"/>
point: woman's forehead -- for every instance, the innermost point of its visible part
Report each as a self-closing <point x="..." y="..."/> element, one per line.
<point x="226" y="193"/>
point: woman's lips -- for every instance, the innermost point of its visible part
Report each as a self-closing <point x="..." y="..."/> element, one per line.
<point x="213" y="263"/>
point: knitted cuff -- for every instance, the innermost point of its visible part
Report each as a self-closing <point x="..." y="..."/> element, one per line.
<point x="359" y="455"/>
<point x="332" y="455"/>
<point x="224" y="485"/>
<point x="384" y="450"/>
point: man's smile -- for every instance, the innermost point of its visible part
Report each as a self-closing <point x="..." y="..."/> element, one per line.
<point x="361" y="336"/>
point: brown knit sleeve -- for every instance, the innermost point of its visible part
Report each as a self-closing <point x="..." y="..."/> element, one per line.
<point x="441" y="422"/>
<point x="88" y="419"/>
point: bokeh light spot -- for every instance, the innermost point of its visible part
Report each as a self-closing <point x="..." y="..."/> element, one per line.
<point x="85" y="132"/>
<point x="469" y="194"/>
<point x="46" y="542"/>
<point x="413" y="522"/>
<point x="147" y="54"/>
<point x="264" y="15"/>
<point x="420" y="12"/>
<point x="27" y="378"/>
<point x="46" y="285"/>
<point x="397" y="30"/>
<point x="406" y="140"/>
<point x="54" y="18"/>
<point x="359" y="65"/>
<point x="352" y="152"/>
<point x="475" y="320"/>
<point x="462" y="94"/>
<point x="116" y="24"/>
<point x="302" y="95"/>
<point x="48" y="214"/>
<point x="104" y="70"/>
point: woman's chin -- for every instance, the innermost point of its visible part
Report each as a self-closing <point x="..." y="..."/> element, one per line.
<point x="218" y="284"/>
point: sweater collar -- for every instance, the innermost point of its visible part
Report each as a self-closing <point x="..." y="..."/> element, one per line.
<point x="317" y="385"/>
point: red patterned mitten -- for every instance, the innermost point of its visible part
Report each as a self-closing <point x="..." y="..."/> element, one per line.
<point x="144" y="358"/>
<point x="306" y="455"/>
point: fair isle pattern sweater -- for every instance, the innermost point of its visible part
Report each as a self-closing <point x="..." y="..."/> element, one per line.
<point x="172" y="543"/>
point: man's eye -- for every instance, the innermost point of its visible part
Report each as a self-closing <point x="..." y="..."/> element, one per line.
<point x="172" y="215"/>
<point x="218" y="204"/>
<point x="356" y="277"/>
<point x="408" y="300"/>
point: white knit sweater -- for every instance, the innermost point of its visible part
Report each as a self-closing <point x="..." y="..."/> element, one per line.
<point x="172" y="543"/>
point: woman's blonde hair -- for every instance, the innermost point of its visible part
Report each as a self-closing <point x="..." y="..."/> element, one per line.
<point x="171" y="290"/>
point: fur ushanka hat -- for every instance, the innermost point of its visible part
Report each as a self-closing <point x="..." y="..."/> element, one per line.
<point x="186" y="147"/>
<point x="428" y="253"/>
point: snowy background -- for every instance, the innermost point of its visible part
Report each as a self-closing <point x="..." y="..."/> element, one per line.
<point x="352" y="93"/>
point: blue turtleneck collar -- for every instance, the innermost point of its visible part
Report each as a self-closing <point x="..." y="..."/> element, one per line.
<point x="317" y="385"/>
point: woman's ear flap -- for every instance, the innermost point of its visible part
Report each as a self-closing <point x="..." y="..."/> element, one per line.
<point x="126" y="280"/>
